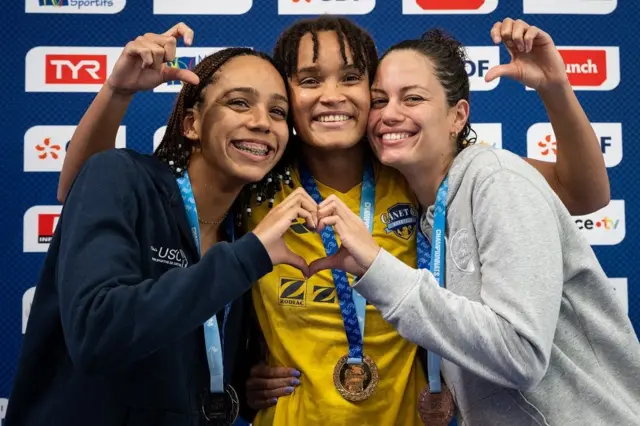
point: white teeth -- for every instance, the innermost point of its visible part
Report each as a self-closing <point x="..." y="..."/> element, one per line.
<point x="333" y="118"/>
<point x="395" y="136"/>
<point x="253" y="148"/>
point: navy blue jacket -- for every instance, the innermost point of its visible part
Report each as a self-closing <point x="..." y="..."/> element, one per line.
<point x="115" y="333"/>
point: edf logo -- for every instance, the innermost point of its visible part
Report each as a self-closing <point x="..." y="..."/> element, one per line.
<point x="541" y="142"/>
<point x="480" y="68"/>
<point x="480" y="60"/>
<point x="605" y="142"/>
<point x="320" y="7"/>
<point x="610" y="137"/>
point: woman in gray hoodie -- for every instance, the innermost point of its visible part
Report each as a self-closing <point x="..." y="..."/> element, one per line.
<point x="510" y="293"/>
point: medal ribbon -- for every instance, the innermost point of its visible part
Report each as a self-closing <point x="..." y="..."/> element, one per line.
<point x="352" y="304"/>
<point x="213" y="338"/>
<point x="432" y="257"/>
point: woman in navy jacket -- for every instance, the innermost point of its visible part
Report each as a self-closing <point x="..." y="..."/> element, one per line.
<point x="143" y="275"/>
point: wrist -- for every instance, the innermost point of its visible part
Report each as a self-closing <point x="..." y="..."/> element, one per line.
<point x="117" y="94"/>
<point x="371" y="257"/>
<point x="553" y="92"/>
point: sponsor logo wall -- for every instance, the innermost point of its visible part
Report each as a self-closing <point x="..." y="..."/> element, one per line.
<point x="64" y="59"/>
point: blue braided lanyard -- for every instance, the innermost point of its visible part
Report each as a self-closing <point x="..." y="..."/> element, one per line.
<point x="352" y="304"/>
<point x="432" y="258"/>
<point x="213" y="338"/>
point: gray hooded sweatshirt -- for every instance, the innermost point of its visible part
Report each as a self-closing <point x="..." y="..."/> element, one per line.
<point x="529" y="329"/>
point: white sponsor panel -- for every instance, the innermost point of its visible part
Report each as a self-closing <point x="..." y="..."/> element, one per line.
<point x="606" y="226"/>
<point x="574" y="7"/>
<point x="542" y="144"/>
<point x="319" y="7"/>
<point x="201" y="7"/>
<point x="86" y="69"/>
<point x="488" y="134"/>
<point x="27" y="300"/>
<point x="45" y="147"/>
<point x="480" y="60"/>
<point x="39" y="224"/>
<point x="157" y="137"/>
<point x="3" y="408"/>
<point x="68" y="69"/>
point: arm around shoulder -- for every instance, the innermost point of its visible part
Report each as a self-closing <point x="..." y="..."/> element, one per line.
<point x="95" y="133"/>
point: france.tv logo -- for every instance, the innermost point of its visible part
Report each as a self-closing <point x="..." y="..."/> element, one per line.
<point x="183" y="63"/>
<point x="187" y="58"/>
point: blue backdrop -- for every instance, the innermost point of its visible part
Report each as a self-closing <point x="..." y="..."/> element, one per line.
<point x="48" y="86"/>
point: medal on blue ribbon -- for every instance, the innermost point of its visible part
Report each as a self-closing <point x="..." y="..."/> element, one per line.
<point x="221" y="405"/>
<point x="435" y="403"/>
<point x="355" y="375"/>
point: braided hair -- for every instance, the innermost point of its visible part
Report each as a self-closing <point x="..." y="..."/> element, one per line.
<point x="448" y="57"/>
<point x="285" y="55"/>
<point x="175" y="149"/>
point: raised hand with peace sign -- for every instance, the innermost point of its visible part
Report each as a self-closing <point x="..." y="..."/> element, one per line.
<point x="142" y="65"/>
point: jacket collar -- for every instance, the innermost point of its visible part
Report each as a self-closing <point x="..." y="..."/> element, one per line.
<point x="165" y="180"/>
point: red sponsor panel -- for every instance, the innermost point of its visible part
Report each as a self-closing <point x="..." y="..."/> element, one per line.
<point x="75" y="69"/>
<point x="450" y="4"/>
<point x="585" y="67"/>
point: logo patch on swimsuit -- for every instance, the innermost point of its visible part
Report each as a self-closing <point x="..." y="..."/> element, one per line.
<point x="401" y="219"/>
<point x="322" y="294"/>
<point x="299" y="228"/>
<point x="292" y="291"/>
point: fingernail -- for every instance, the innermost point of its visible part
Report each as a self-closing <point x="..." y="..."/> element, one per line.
<point x="288" y="389"/>
<point x="273" y="400"/>
<point x="295" y="382"/>
<point x="296" y="373"/>
<point x="496" y="39"/>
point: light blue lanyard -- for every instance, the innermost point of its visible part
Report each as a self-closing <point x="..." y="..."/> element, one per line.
<point x="352" y="304"/>
<point x="431" y="255"/>
<point x="213" y="338"/>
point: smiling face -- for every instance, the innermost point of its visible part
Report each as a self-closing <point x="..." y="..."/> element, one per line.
<point x="330" y="99"/>
<point x="241" y="120"/>
<point x="411" y="121"/>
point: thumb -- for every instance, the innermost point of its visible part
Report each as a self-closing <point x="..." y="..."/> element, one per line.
<point x="296" y="261"/>
<point x="504" y="70"/>
<point x="170" y="74"/>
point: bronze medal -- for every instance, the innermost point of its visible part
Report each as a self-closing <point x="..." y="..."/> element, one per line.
<point x="355" y="382"/>
<point x="436" y="409"/>
<point x="221" y="409"/>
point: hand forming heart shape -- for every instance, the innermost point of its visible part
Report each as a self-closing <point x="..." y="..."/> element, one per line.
<point x="357" y="251"/>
